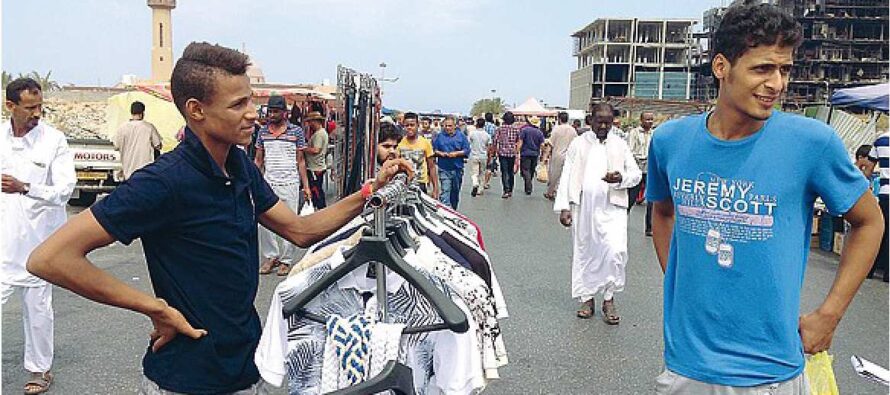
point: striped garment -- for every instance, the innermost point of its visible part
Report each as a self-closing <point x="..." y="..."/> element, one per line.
<point x="880" y="152"/>
<point x="280" y="154"/>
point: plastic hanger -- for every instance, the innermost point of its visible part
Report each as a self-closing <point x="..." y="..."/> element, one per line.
<point x="395" y="377"/>
<point x="379" y="249"/>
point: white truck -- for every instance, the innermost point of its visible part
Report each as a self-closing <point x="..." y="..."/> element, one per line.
<point x="98" y="167"/>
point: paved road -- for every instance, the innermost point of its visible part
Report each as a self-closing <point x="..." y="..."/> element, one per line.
<point x="99" y="349"/>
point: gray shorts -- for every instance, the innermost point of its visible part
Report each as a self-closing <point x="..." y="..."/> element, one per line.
<point x="670" y="383"/>
<point x="148" y="387"/>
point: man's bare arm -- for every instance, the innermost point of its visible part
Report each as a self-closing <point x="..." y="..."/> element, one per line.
<point x="260" y="158"/>
<point x="662" y="229"/>
<point x="61" y="260"/>
<point x="860" y="247"/>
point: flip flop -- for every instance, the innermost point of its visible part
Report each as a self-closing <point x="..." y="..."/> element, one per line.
<point x="283" y="269"/>
<point x="586" y="310"/>
<point x="268" y="265"/>
<point x="610" y="313"/>
<point x="39" y="383"/>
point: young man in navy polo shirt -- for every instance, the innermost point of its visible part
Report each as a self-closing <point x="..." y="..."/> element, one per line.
<point x="731" y="221"/>
<point x="196" y="210"/>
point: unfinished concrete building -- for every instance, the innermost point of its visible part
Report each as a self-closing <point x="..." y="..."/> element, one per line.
<point x="845" y="45"/>
<point x="643" y="58"/>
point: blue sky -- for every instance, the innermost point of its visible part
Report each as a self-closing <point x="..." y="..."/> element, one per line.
<point x="446" y="53"/>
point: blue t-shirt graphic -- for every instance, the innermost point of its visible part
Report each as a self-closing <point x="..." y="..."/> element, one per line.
<point x="743" y="218"/>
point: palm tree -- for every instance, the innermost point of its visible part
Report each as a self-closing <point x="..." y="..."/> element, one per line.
<point x="45" y="81"/>
<point x="6" y="79"/>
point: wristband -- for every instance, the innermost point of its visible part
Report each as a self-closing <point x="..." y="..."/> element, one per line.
<point x="367" y="190"/>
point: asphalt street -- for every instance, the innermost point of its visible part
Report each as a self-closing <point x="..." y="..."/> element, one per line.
<point x="99" y="348"/>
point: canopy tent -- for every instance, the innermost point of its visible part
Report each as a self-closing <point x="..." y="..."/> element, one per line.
<point x="533" y="107"/>
<point x="875" y="97"/>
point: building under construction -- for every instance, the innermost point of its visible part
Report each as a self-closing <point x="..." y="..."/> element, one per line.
<point x="845" y="45"/>
<point x="638" y="58"/>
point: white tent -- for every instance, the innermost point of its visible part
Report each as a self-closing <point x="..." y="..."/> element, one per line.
<point x="532" y="107"/>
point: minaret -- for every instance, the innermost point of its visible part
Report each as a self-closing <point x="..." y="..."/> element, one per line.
<point x="161" y="40"/>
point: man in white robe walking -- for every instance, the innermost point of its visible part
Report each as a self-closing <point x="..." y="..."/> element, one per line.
<point x="592" y="199"/>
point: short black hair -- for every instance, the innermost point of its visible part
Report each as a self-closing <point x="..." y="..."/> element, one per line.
<point x="480" y="123"/>
<point x="296" y="115"/>
<point x="426" y="119"/>
<point x="751" y="25"/>
<point x="602" y="106"/>
<point x="489" y="117"/>
<point x="576" y="121"/>
<point x="389" y="131"/>
<point x="410" y="115"/>
<point x="17" y="86"/>
<point x="509" y="118"/>
<point x="588" y="119"/>
<point x="863" y="151"/>
<point x="195" y="72"/>
<point x="563" y="117"/>
<point x="137" y="108"/>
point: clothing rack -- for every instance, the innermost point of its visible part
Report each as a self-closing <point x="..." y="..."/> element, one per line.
<point x="392" y="193"/>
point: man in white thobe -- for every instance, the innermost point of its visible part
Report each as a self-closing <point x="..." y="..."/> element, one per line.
<point x="592" y="199"/>
<point x="38" y="178"/>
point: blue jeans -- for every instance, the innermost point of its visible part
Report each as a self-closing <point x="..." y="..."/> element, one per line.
<point x="449" y="183"/>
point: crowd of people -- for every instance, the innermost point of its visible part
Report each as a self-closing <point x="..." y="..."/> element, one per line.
<point x="729" y="219"/>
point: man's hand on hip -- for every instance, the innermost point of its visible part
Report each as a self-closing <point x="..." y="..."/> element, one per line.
<point x="169" y="322"/>
<point x="816" y="331"/>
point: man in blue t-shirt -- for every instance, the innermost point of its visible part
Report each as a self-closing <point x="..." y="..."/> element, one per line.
<point x="196" y="211"/>
<point x="732" y="220"/>
<point x="451" y="147"/>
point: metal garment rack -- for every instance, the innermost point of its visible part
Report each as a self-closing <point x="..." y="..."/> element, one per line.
<point x="392" y="193"/>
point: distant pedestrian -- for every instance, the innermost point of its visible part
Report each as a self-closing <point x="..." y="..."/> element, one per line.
<point x="880" y="155"/>
<point x="733" y="191"/>
<point x="505" y="139"/>
<point x="529" y="147"/>
<point x="137" y="141"/>
<point x="576" y="124"/>
<point x="479" y="143"/>
<point x="426" y="129"/>
<point x="316" y="153"/>
<point x="280" y="157"/>
<point x="38" y="178"/>
<point x="419" y="151"/>
<point x="560" y="138"/>
<point x="588" y="123"/>
<point x="490" y="128"/>
<point x="592" y="200"/>
<point x="451" y="147"/>
<point x="616" y="126"/>
<point x="638" y="141"/>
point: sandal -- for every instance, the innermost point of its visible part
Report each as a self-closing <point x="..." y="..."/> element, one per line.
<point x="586" y="310"/>
<point x="283" y="269"/>
<point x="39" y="383"/>
<point x="610" y="313"/>
<point x="268" y="265"/>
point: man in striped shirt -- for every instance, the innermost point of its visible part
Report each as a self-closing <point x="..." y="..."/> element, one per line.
<point x="880" y="155"/>
<point x="279" y="156"/>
